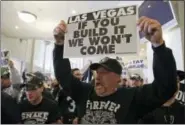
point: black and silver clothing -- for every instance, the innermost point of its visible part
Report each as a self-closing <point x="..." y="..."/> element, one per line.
<point x="173" y="114"/>
<point x="125" y="105"/>
<point x="46" y="112"/>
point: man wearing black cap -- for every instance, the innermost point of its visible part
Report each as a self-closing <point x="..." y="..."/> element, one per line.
<point x="46" y="92"/>
<point x="105" y="102"/>
<point x="136" y="80"/>
<point x="38" y="109"/>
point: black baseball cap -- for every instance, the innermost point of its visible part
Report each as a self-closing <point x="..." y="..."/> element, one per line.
<point x="108" y="63"/>
<point x="135" y="77"/>
<point x="181" y="75"/>
<point x="33" y="81"/>
<point x="5" y="73"/>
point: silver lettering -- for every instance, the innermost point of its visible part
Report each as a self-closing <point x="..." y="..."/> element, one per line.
<point x="45" y="115"/>
<point x="39" y="114"/>
<point x="179" y="95"/>
<point x="102" y="104"/>
<point x="106" y="105"/>
<point x="29" y="115"/>
<point x="117" y="107"/>
<point x="88" y="104"/>
<point x="112" y="106"/>
<point x="95" y="105"/>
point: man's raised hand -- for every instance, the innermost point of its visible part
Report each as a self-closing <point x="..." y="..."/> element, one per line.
<point x="151" y="29"/>
<point x="59" y="32"/>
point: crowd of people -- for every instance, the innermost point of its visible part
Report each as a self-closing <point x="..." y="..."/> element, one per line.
<point x="107" y="99"/>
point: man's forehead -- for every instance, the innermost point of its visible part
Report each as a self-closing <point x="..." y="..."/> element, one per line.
<point x="101" y="68"/>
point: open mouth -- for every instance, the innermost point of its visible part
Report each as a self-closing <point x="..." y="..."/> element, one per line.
<point x="98" y="84"/>
<point x="30" y="96"/>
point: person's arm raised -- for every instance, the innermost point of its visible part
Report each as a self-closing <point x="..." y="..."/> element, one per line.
<point x="149" y="97"/>
<point x="62" y="67"/>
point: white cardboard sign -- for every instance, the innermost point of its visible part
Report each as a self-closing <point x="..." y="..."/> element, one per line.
<point x="104" y="32"/>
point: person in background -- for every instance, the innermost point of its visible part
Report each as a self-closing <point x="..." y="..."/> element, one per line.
<point x="136" y="80"/>
<point x="171" y="112"/>
<point x="55" y="89"/>
<point x="15" y="75"/>
<point x="10" y="113"/>
<point x="92" y="77"/>
<point x="46" y="89"/>
<point x="65" y="102"/>
<point x="6" y="83"/>
<point x="124" y="82"/>
<point x="76" y="73"/>
<point x="46" y="92"/>
<point x="38" y="109"/>
<point x="105" y="102"/>
<point x="68" y="107"/>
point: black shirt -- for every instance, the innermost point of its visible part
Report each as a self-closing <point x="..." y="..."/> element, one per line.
<point x="44" y="113"/>
<point x="174" y="114"/>
<point x="10" y="113"/>
<point x="67" y="106"/>
<point x="126" y="105"/>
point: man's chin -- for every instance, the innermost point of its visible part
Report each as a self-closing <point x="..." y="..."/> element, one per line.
<point x="100" y="92"/>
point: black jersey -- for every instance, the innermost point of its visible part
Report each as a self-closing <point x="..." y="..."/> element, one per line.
<point x="46" y="112"/>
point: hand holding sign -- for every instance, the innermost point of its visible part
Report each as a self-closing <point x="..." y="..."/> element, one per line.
<point x="59" y="32"/>
<point x="152" y="30"/>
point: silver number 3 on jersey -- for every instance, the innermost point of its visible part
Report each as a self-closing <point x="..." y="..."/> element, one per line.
<point x="72" y="104"/>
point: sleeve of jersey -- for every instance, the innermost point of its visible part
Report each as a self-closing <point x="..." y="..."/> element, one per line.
<point x="62" y="70"/>
<point x="151" y="96"/>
